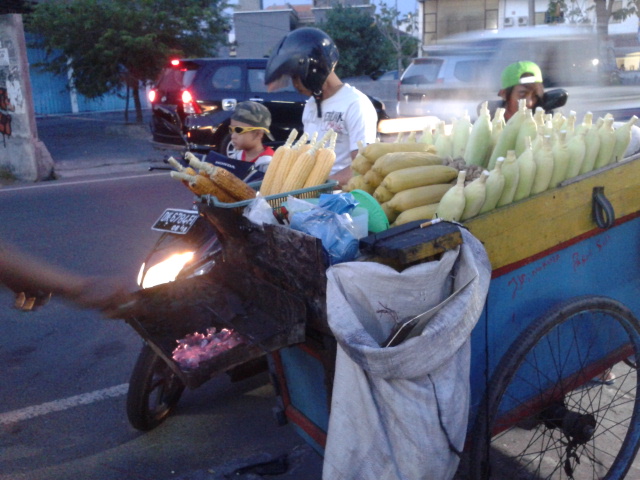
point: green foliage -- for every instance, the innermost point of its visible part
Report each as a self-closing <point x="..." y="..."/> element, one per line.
<point x="399" y="30"/>
<point x="114" y="43"/>
<point x="363" y="49"/>
<point x="579" y="11"/>
<point x="370" y="43"/>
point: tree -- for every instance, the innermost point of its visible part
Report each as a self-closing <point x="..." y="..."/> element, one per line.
<point x="579" y="11"/>
<point x="113" y="45"/>
<point x="398" y="30"/>
<point x="363" y="48"/>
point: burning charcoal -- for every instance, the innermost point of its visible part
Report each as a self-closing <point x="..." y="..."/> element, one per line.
<point x="196" y="347"/>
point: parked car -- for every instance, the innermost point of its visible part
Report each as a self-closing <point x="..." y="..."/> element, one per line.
<point x="198" y="96"/>
<point x="391" y="75"/>
<point x="463" y="70"/>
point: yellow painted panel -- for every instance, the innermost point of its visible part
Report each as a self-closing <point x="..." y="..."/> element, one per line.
<point x="525" y="228"/>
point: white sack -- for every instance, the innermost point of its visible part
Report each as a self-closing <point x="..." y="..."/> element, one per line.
<point x="388" y="403"/>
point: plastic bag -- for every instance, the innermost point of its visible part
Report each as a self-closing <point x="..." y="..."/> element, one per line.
<point x="338" y="203"/>
<point x="260" y="212"/>
<point x="335" y="231"/>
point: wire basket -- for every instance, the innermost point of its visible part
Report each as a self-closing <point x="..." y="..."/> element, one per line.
<point x="275" y="201"/>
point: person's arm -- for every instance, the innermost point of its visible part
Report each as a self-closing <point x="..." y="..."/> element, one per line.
<point x="343" y="176"/>
<point x="34" y="281"/>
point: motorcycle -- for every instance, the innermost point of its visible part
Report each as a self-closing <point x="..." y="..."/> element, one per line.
<point x="188" y="246"/>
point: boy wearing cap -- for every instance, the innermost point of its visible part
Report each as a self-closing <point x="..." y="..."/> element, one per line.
<point x="521" y="80"/>
<point x="250" y="122"/>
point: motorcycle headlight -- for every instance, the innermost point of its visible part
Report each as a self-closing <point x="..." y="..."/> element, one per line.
<point x="165" y="271"/>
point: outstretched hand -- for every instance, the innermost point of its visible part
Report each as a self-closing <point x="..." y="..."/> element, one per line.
<point x="106" y="294"/>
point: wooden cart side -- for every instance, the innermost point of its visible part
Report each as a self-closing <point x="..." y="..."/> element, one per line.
<point x="522" y="230"/>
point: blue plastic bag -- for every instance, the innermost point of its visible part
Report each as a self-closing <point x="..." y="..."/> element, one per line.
<point x="337" y="238"/>
<point x="338" y="202"/>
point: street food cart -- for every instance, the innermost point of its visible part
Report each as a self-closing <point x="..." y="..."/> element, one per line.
<point x="560" y="312"/>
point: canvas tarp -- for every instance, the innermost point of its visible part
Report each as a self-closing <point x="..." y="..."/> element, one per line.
<point x="401" y="412"/>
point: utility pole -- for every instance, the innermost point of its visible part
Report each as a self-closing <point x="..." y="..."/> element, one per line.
<point x="532" y="12"/>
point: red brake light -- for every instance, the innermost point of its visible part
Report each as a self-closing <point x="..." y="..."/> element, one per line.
<point x="189" y="104"/>
<point x="175" y="62"/>
<point x="186" y="97"/>
<point x="152" y="95"/>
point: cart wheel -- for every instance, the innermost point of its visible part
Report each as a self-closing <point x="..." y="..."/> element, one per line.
<point x="154" y="390"/>
<point x="548" y="415"/>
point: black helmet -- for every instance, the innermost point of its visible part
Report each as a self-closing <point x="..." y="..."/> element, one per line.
<point x="307" y="53"/>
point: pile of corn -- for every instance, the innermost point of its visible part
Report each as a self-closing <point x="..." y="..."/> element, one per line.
<point x="300" y="165"/>
<point x="489" y="163"/>
<point x="203" y="178"/>
<point x="293" y="167"/>
<point x="406" y="177"/>
<point x="527" y="155"/>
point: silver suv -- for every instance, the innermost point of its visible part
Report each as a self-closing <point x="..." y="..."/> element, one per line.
<point x="430" y="84"/>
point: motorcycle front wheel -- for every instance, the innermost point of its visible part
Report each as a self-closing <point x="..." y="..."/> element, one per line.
<point x="154" y="391"/>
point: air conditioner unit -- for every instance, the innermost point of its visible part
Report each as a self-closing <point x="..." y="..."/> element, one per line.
<point x="523" y="21"/>
<point x="508" y="21"/>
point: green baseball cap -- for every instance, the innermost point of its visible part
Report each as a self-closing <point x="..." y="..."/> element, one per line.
<point x="513" y="74"/>
<point x="254" y="114"/>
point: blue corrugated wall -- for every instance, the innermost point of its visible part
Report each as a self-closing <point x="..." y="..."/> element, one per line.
<point x="51" y="95"/>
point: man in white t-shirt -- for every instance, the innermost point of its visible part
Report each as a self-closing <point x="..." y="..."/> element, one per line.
<point x="308" y="57"/>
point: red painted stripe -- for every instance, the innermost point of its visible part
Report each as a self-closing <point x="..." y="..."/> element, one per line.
<point x="316" y="433"/>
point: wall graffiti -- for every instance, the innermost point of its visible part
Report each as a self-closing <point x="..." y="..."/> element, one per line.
<point x="9" y="92"/>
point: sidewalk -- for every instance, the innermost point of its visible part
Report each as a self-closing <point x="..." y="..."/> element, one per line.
<point x="99" y="143"/>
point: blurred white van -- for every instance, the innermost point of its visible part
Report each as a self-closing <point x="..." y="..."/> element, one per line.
<point x="463" y="70"/>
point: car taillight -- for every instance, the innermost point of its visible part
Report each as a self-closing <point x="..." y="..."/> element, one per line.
<point x="152" y="95"/>
<point x="175" y="62"/>
<point x="189" y="105"/>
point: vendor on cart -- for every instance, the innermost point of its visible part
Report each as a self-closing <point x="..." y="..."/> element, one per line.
<point x="33" y="282"/>
<point x="521" y="80"/>
<point x="308" y="56"/>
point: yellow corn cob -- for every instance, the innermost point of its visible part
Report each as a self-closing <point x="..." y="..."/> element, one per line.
<point x="382" y="195"/>
<point x="357" y="182"/>
<point x="397" y="160"/>
<point x="300" y="170"/>
<point x="389" y="212"/>
<point x="361" y="164"/>
<point x="178" y="166"/>
<point x="452" y="203"/>
<point x="423" y="212"/>
<point x="201" y="185"/>
<point x="415" y="197"/>
<point x="195" y="162"/>
<point x="287" y="163"/>
<point x="231" y="184"/>
<point x="274" y="168"/>
<point x="412" y="177"/>
<point x="305" y="147"/>
<point x="325" y="158"/>
<point x="373" y="178"/>
<point x="373" y="151"/>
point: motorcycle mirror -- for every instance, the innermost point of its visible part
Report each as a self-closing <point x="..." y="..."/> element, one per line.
<point x="554" y="99"/>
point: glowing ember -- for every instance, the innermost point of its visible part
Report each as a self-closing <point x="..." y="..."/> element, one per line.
<point x="198" y="347"/>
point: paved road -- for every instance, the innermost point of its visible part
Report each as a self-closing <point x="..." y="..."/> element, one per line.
<point x="99" y="146"/>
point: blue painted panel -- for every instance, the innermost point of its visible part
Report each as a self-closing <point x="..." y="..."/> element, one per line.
<point x="107" y="103"/>
<point x="50" y="94"/>
<point x="305" y="379"/>
<point x="607" y="264"/>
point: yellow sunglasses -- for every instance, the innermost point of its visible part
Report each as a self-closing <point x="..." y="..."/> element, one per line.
<point x="241" y="130"/>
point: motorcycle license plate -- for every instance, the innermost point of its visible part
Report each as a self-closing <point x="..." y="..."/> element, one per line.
<point x="174" y="220"/>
